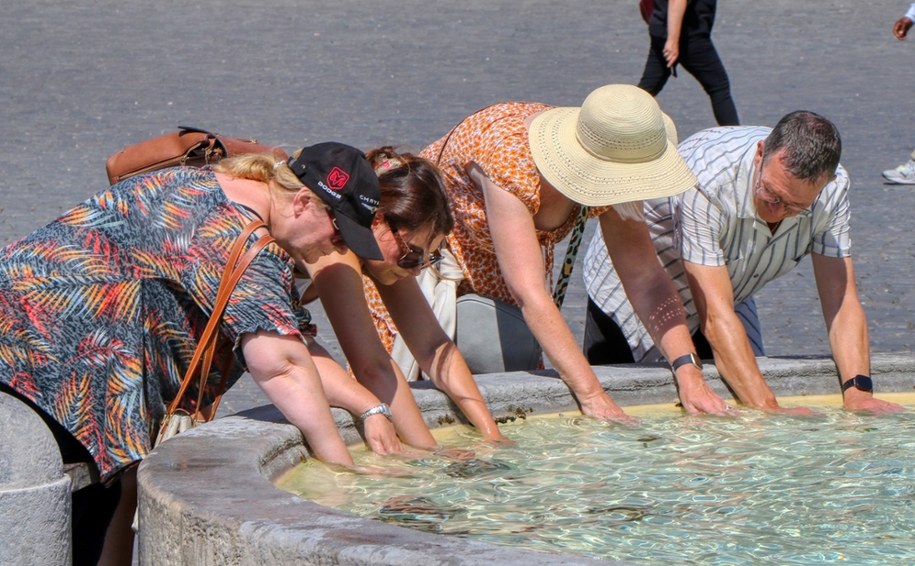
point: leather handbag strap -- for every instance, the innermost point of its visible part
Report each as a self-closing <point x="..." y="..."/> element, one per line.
<point x="235" y="268"/>
<point x="221" y="301"/>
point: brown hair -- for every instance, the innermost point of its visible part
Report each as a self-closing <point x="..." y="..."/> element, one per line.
<point x="412" y="196"/>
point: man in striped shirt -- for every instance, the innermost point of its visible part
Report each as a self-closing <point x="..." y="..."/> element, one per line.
<point x="765" y="198"/>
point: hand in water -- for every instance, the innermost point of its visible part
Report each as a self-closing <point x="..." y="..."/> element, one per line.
<point x="380" y="435"/>
<point x="697" y="397"/>
<point x="873" y="405"/>
<point x="371" y="470"/>
<point x="503" y="442"/>
<point x="604" y="408"/>
<point x="793" y="411"/>
<point x="455" y="453"/>
<point x="384" y="471"/>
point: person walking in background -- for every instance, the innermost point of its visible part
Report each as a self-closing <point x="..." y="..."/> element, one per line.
<point x="904" y="24"/>
<point x="905" y="173"/>
<point x="681" y="33"/>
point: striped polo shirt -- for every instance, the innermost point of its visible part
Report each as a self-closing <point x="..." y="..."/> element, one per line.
<point x="716" y="224"/>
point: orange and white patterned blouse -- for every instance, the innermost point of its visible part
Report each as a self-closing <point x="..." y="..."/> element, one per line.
<point x="496" y="139"/>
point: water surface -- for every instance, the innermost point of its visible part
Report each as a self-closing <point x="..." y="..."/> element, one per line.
<point x="756" y="488"/>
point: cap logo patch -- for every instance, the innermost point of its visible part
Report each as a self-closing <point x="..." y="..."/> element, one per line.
<point x="337" y="178"/>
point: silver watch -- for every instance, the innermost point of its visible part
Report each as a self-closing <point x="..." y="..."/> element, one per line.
<point x="381" y="409"/>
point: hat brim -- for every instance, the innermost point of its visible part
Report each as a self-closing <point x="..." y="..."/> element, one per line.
<point x="592" y="181"/>
<point x="358" y="238"/>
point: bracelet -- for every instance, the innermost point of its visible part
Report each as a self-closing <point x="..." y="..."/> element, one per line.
<point x="689" y="358"/>
<point x="381" y="409"/>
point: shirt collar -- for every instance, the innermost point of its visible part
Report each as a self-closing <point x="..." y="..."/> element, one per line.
<point x="743" y="185"/>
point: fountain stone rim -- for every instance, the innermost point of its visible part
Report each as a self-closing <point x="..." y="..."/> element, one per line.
<point x="208" y="493"/>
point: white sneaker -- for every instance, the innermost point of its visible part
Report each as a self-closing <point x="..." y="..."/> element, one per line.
<point x="902" y="175"/>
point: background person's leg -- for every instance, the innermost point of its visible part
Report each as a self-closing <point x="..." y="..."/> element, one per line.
<point x="700" y="58"/>
<point x="117" y="549"/>
<point x="656" y="73"/>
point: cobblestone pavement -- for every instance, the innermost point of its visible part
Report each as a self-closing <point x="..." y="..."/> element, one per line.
<point x="80" y="80"/>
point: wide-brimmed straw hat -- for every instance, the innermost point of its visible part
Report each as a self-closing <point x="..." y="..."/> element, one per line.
<point x="618" y="147"/>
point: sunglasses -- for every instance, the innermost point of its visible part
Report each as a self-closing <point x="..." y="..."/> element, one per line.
<point x="414" y="256"/>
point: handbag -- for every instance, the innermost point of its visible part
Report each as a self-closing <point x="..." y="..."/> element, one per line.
<point x="491" y="334"/>
<point x="185" y="146"/>
<point x="493" y="337"/>
<point x="177" y="419"/>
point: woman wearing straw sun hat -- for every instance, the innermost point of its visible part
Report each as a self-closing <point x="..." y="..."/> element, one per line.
<point x="518" y="175"/>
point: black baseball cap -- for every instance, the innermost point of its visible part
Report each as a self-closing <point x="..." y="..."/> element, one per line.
<point x="343" y="178"/>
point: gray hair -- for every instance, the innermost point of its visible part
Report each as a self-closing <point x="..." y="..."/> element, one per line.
<point x="811" y="142"/>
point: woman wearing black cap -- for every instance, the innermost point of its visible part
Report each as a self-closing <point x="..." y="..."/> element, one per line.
<point x="411" y="225"/>
<point x="101" y="310"/>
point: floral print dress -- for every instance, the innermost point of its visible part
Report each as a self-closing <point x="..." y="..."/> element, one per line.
<point x="101" y="309"/>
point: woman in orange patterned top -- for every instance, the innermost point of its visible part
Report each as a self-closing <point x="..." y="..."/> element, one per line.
<point x="517" y="175"/>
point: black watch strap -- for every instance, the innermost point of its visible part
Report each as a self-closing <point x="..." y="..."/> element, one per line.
<point x="689" y="358"/>
<point x="860" y="382"/>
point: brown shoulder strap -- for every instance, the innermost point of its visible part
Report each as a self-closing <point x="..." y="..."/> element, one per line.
<point x="233" y="272"/>
<point x="222" y="301"/>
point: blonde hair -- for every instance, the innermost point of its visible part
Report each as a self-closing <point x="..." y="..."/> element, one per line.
<point x="264" y="167"/>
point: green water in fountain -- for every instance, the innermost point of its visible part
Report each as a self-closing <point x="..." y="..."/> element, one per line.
<point x="750" y="489"/>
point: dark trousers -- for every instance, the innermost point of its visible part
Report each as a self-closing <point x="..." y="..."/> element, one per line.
<point x="94" y="505"/>
<point x="605" y="343"/>
<point x="700" y="59"/>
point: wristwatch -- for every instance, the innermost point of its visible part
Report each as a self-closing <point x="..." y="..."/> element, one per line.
<point x="381" y="409"/>
<point x="860" y="382"/>
<point x="689" y="358"/>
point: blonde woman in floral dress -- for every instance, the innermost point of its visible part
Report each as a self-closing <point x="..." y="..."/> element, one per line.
<point x="101" y="311"/>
